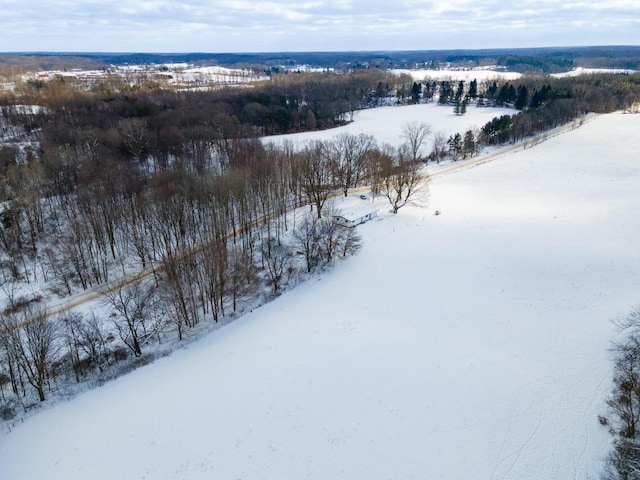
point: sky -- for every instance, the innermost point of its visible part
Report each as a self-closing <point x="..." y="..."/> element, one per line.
<point x="312" y="25"/>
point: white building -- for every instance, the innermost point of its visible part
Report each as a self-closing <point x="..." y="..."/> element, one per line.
<point x="355" y="216"/>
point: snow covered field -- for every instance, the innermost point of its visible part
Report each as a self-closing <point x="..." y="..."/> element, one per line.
<point x="479" y="74"/>
<point x="469" y="345"/>
<point x="486" y="74"/>
<point x="386" y="123"/>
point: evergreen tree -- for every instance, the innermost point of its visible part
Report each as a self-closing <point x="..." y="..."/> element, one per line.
<point x="416" y="90"/>
<point x="522" y="97"/>
<point x="445" y="93"/>
<point x="460" y="91"/>
<point x="429" y="90"/>
<point x="473" y="88"/>
<point x="492" y="91"/>
<point x="427" y="93"/>
<point x="536" y="100"/>
<point x="503" y="95"/>
<point x="469" y="144"/>
<point x="455" y="146"/>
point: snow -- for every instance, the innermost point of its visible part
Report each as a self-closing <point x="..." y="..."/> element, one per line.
<point x="479" y="74"/>
<point x="176" y="73"/>
<point x="486" y="74"/>
<point x="386" y="123"/>
<point x="472" y="344"/>
<point x="216" y="74"/>
<point x="588" y="71"/>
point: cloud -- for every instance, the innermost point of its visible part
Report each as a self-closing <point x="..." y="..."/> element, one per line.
<point x="245" y="25"/>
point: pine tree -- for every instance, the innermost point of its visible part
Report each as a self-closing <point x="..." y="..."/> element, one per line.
<point x="473" y="88"/>
<point x="416" y="90"/>
<point x="455" y="146"/>
<point x="522" y="97"/>
<point x="492" y="91"/>
<point x="469" y="144"/>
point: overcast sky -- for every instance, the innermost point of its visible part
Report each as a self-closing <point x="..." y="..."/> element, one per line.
<point x="314" y="25"/>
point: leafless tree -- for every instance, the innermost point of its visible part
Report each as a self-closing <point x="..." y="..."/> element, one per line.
<point x="398" y="177"/>
<point x="334" y="239"/>
<point x="306" y="235"/>
<point x="351" y="242"/>
<point x="278" y="265"/>
<point x="178" y="292"/>
<point x="70" y="323"/>
<point x="94" y="340"/>
<point x="33" y="341"/>
<point x="135" y="133"/>
<point x="330" y="235"/>
<point x="624" y="401"/>
<point x="315" y="174"/>
<point x="439" y="148"/>
<point x="241" y="274"/>
<point x="349" y="156"/>
<point x="414" y="134"/>
<point x="8" y="336"/>
<point x="137" y="319"/>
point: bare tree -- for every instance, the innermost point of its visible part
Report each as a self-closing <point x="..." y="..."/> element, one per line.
<point x="33" y="341"/>
<point x="349" y="156"/>
<point x="177" y="292"/>
<point x="241" y="273"/>
<point x="439" y="148"/>
<point x="87" y="342"/>
<point x="135" y="136"/>
<point x="71" y="333"/>
<point x="306" y="235"/>
<point x="278" y="265"/>
<point x="351" y="242"/>
<point x="624" y="402"/>
<point x="398" y="177"/>
<point x="315" y="174"/>
<point x="330" y="235"/>
<point x="8" y="323"/>
<point x="334" y="239"/>
<point x="137" y="319"/>
<point x="414" y="134"/>
<point x="94" y="341"/>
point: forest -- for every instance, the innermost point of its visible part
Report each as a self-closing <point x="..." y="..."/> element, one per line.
<point x="526" y="60"/>
<point x="172" y="198"/>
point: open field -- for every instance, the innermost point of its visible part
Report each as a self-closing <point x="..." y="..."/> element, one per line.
<point x="386" y="123"/>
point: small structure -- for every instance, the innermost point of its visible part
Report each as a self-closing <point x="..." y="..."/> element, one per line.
<point x="355" y="217"/>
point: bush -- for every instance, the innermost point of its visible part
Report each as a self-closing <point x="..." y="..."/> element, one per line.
<point x="8" y="410"/>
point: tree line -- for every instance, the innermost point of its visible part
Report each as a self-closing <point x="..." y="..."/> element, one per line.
<point x="542" y="103"/>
